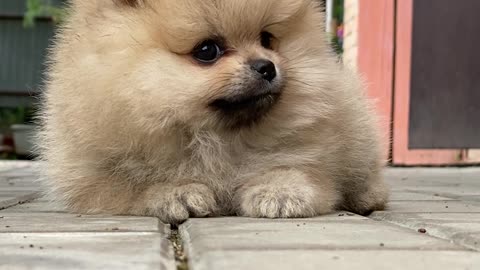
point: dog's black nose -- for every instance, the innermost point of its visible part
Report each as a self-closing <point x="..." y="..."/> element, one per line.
<point x="265" y="68"/>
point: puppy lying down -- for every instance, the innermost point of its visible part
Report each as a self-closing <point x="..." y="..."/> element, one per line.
<point x="193" y="108"/>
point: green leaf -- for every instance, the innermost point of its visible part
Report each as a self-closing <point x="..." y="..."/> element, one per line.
<point x="37" y="8"/>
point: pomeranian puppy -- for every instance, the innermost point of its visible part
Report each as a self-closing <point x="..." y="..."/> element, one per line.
<point x="193" y="108"/>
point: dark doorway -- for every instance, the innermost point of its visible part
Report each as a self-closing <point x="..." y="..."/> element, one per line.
<point x="445" y="82"/>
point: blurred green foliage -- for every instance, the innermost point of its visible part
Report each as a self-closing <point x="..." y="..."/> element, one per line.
<point x="338" y="10"/>
<point x="11" y="116"/>
<point x="42" y="8"/>
<point x="338" y="13"/>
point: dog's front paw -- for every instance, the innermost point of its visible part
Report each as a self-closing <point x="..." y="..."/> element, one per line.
<point x="175" y="204"/>
<point x="269" y="201"/>
<point x="367" y="197"/>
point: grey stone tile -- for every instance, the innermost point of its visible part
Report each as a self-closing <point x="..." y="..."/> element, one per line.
<point x="456" y="192"/>
<point x="471" y="240"/>
<point x="331" y="232"/>
<point x="15" y="190"/>
<point x="414" y="196"/>
<point x="9" y="201"/>
<point x="13" y="180"/>
<point x="461" y="228"/>
<point x="433" y="175"/>
<point x="444" y="181"/>
<point x="473" y="198"/>
<point x="338" y="241"/>
<point x="58" y="222"/>
<point x="38" y="206"/>
<point x="6" y="165"/>
<point x="15" y="193"/>
<point x="336" y="259"/>
<point x="15" y="186"/>
<point x="448" y="206"/>
<point x="85" y="251"/>
<point x="19" y="174"/>
<point x="18" y="186"/>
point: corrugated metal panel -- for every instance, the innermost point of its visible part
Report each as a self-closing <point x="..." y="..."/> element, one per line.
<point x="22" y="53"/>
<point x="17" y="101"/>
<point x="15" y="7"/>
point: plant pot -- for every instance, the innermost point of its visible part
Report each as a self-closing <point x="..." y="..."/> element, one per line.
<point x="23" y="139"/>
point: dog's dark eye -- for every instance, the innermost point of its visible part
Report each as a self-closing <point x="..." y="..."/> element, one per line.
<point x="208" y="51"/>
<point x="266" y="39"/>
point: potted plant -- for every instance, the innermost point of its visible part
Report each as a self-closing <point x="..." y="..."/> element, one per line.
<point x="7" y="118"/>
<point x="16" y="130"/>
<point x="23" y="131"/>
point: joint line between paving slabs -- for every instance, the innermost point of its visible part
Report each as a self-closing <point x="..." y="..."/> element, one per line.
<point x="27" y="198"/>
<point x="181" y="259"/>
<point x="428" y="233"/>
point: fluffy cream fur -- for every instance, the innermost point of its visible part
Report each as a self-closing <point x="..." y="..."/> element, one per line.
<point x="127" y="128"/>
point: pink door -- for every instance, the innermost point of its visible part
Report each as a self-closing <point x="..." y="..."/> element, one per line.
<point x="385" y="60"/>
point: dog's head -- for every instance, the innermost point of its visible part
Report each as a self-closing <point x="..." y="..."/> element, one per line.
<point x="225" y="64"/>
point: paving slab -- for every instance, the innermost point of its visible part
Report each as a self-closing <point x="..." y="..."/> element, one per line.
<point x="6" y="165"/>
<point x="445" y="202"/>
<point x="461" y="228"/>
<point x="449" y="176"/>
<point x="60" y="222"/>
<point x="18" y="183"/>
<point x="38" y="234"/>
<point x="336" y="260"/>
<point x="447" y="182"/>
<point x="19" y="174"/>
<point x="37" y="206"/>
<point x="15" y="192"/>
<point x="448" y="206"/>
<point x="454" y="192"/>
<point x="333" y="232"/>
<point x="50" y="238"/>
<point x="471" y="198"/>
<point x="432" y="177"/>
<point x="471" y="240"/>
<point x="85" y="251"/>
<point x="8" y="201"/>
<point x="415" y="196"/>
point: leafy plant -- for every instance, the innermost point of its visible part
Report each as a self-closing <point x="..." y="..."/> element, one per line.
<point x="11" y="116"/>
<point x="337" y="45"/>
<point x="42" y="8"/>
<point x="338" y="14"/>
<point x="338" y="10"/>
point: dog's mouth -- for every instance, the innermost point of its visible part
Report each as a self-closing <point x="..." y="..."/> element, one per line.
<point x="244" y="110"/>
<point x="245" y="102"/>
